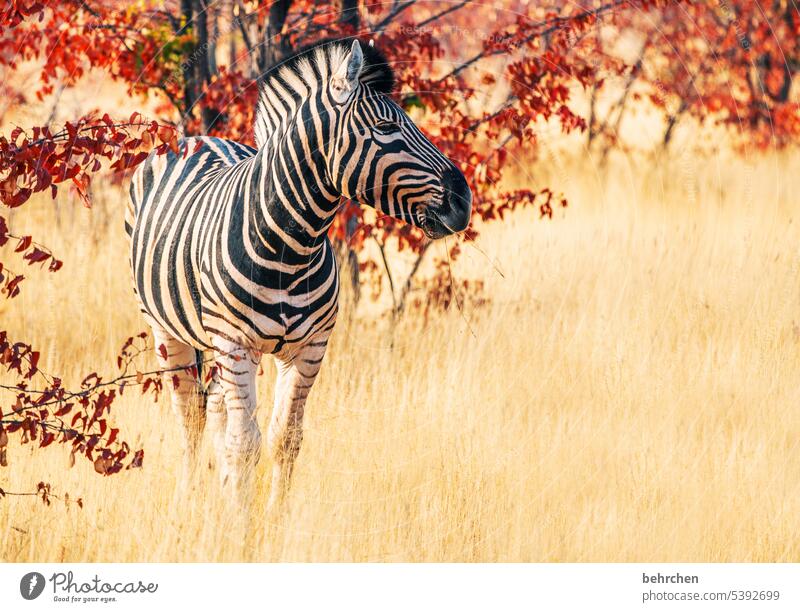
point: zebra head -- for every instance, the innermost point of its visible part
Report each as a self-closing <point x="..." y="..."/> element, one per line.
<point x="379" y="157"/>
<point x="330" y="103"/>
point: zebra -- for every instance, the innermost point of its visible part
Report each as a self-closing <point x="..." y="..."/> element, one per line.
<point x="229" y="249"/>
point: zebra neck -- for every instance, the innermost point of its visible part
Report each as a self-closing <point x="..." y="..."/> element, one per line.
<point x="296" y="203"/>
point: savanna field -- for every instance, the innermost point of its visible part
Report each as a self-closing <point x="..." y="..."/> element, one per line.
<point x="625" y="390"/>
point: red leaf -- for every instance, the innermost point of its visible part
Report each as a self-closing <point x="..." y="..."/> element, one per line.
<point x="138" y="459"/>
<point x="12" y="286"/>
<point x="3" y="231"/>
<point x="37" y="255"/>
<point x="101" y="465"/>
<point x="82" y="187"/>
<point x="65" y="409"/>
<point x="24" y="243"/>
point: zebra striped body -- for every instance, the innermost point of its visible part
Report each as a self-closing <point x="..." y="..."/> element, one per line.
<point x="208" y="263"/>
<point x="229" y="247"/>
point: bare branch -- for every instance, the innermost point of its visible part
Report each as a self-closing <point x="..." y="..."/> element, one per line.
<point x="398" y="8"/>
<point x="407" y="286"/>
<point x="382" y="251"/>
<point x="441" y="14"/>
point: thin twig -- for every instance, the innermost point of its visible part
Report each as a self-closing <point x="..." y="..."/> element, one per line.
<point x="489" y="259"/>
<point x="509" y="102"/>
<point x="447" y="11"/>
<point x="455" y="292"/>
<point x="388" y="274"/>
<point x="396" y="10"/>
<point x="410" y="277"/>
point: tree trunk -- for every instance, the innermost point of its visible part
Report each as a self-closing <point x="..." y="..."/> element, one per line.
<point x="350" y="15"/>
<point x="212" y="44"/>
<point x="231" y="38"/>
<point x="189" y="83"/>
<point x="273" y="48"/>
<point x="208" y="115"/>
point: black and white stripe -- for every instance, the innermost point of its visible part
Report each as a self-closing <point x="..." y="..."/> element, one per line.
<point x="229" y="247"/>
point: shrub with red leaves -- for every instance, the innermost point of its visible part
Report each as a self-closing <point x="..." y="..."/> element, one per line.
<point x="480" y="82"/>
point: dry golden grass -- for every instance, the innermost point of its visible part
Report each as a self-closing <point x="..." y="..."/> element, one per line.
<point x="630" y="394"/>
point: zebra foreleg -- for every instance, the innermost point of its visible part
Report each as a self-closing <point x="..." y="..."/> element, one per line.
<point x="216" y="417"/>
<point x="294" y="382"/>
<point x="242" y="443"/>
<point x="180" y="377"/>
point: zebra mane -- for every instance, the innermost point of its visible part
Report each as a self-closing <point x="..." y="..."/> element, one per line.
<point x="310" y="64"/>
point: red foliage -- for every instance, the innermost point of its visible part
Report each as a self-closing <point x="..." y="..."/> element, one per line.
<point x="448" y="63"/>
<point x="34" y="162"/>
<point x="51" y="413"/>
<point x="158" y="51"/>
<point x="236" y="95"/>
<point x="729" y="63"/>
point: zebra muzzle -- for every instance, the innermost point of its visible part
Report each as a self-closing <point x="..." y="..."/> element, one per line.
<point x="454" y="213"/>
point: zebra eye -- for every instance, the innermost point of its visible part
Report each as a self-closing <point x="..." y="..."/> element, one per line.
<point x="386" y="127"/>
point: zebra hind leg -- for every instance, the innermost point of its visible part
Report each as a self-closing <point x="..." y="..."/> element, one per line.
<point x="181" y="377"/>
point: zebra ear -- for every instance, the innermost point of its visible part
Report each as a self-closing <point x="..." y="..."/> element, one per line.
<point x="345" y="78"/>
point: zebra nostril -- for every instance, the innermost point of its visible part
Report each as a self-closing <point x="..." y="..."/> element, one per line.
<point x="456" y="208"/>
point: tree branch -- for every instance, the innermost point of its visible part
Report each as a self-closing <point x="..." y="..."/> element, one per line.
<point x="388" y="274"/>
<point x="446" y="11"/>
<point x="272" y="46"/>
<point x="397" y="8"/>
<point x="407" y="286"/>
<point x="551" y="25"/>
